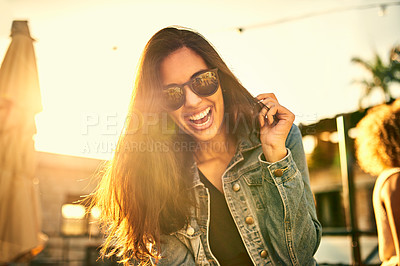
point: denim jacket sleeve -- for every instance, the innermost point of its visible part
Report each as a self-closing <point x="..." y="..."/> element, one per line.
<point x="291" y="177"/>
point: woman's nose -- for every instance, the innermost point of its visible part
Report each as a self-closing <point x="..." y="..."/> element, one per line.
<point x="192" y="99"/>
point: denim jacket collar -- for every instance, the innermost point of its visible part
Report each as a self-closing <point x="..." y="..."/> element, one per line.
<point x="245" y="143"/>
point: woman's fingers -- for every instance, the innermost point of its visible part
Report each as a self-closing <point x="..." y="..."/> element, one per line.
<point x="272" y="112"/>
<point x="264" y="96"/>
<point x="268" y="111"/>
<point x="275" y="123"/>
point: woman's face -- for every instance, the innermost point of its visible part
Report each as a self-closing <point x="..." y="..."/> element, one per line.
<point x="200" y="117"/>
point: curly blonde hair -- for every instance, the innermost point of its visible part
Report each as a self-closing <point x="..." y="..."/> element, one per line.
<point x="378" y="139"/>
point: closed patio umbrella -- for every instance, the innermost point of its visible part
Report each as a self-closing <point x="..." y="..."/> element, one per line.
<point x="20" y="100"/>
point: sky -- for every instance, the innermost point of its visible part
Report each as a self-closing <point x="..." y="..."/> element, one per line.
<point x="87" y="52"/>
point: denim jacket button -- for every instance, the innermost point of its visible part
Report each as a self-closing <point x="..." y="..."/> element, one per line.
<point x="236" y="187"/>
<point x="263" y="254"/>
<point x="190" y="231"/>
<point x="249" y="220"/>
<point x="278" y="172"/>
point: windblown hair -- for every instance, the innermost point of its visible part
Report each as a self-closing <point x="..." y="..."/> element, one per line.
<point x="378" y="139"/>
<point x="145" y="189"/>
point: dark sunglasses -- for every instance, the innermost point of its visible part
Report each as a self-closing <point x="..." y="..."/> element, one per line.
<point x="204" y="83"/>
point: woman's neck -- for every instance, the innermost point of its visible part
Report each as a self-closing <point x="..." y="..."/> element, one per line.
<point x="213" y="158"/>
<point x="222" y="146"/>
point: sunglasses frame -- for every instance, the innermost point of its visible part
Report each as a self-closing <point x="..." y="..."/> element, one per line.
<point x="189" y="84"/>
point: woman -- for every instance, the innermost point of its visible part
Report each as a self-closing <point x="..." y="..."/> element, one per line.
<point x="378" y="153"/>
<point x="220" y="177"/>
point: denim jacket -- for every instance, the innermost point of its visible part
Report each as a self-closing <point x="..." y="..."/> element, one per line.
<point x="271" y="203"/>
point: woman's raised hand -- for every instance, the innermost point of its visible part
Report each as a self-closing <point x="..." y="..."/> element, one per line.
<point x="275" y="123"/>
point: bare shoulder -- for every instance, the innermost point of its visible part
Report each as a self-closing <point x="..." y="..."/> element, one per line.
<point x="391" y="187"/>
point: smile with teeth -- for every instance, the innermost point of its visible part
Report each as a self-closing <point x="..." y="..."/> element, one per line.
<point x="201" y="118"/>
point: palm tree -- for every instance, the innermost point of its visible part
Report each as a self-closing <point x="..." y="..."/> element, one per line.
<point x="382" y="75"/>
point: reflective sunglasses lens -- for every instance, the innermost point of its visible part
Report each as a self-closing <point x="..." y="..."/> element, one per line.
<point x="205" y="84"/>
<point x="174" y="97"/>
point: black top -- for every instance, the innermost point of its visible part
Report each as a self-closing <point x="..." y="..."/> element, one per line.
<point x="225" y="241"/>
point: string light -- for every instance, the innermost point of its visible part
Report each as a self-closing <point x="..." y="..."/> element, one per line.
<point x="381" y="12"/>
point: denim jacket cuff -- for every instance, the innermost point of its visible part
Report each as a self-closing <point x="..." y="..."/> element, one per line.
<point x="281" y="170"/>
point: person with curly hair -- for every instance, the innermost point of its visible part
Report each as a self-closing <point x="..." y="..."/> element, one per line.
<point x="378" y="153"/>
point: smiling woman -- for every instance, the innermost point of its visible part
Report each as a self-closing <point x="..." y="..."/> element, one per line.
<point x="215" y="166"/>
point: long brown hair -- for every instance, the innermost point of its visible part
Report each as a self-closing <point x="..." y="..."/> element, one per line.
<point x="144" y="189"/>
